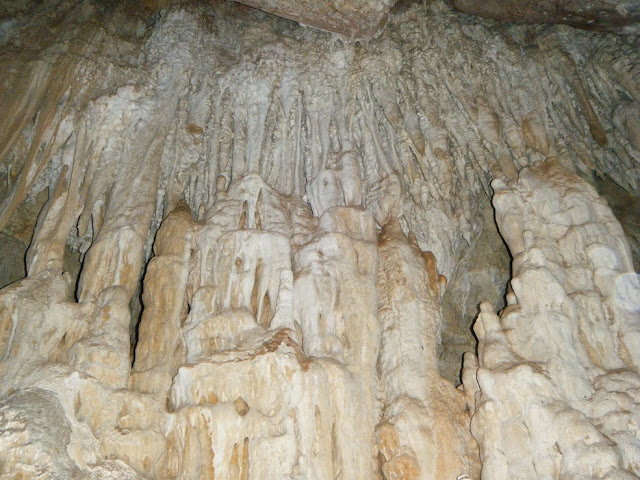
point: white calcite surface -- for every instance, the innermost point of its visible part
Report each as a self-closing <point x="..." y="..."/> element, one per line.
<point x="255" y="249"/>
<point x="556" y="378"/>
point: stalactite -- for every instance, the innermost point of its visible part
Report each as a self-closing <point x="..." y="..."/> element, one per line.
<point x="307" y="223"/>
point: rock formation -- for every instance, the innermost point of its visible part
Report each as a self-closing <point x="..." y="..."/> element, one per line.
<point x="236" y="248"/>
<point x="549" y="400"/>
<point x="596" y="15"/>
<point x="351" y="19"/>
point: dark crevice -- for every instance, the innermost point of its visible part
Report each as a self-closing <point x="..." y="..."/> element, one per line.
<point x="626" y="208"/>
<point x="136" y="307"/>
<point x="482" y="276"/>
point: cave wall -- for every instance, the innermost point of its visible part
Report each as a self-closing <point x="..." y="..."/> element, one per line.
<point x="254" y="250"/>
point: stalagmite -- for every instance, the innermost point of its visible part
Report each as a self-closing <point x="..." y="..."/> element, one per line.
<point x="160" y="350"/>
<point x="422" y="412"/>
<point x="236" y="247"/>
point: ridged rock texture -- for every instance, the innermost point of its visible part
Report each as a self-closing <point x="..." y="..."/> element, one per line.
<point x="237" y="248"/>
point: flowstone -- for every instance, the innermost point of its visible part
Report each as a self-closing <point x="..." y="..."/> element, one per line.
<point x="254" y="251"/>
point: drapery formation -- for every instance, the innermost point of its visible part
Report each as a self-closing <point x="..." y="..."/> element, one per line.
<point x="250" y="248"/>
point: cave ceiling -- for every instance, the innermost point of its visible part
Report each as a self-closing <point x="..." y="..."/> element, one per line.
<point x="364" y="19"/>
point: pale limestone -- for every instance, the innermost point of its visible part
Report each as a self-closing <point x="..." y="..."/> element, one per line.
<point x="556" y="375"/>
<point x="292" y="210"/>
